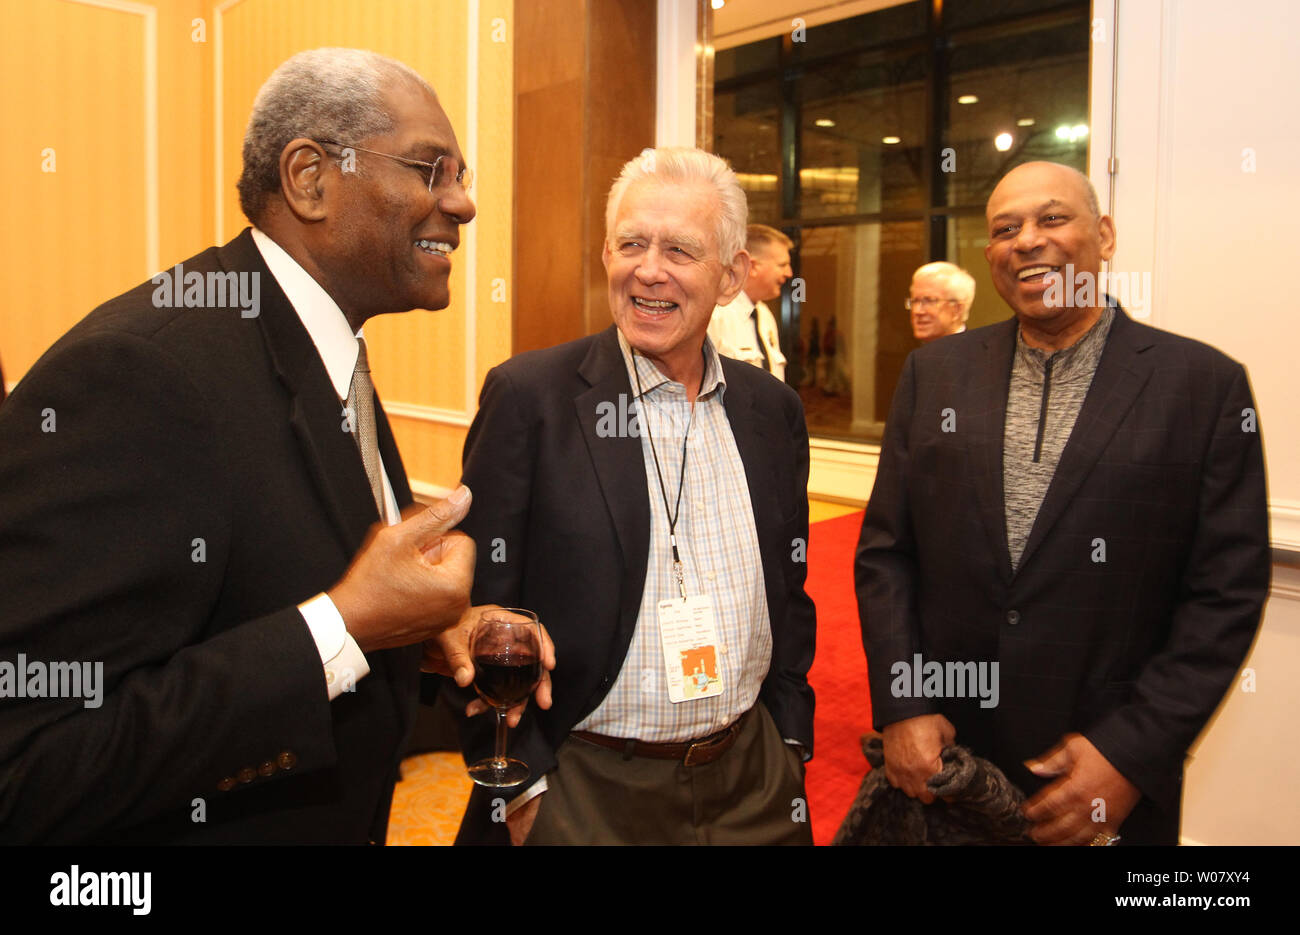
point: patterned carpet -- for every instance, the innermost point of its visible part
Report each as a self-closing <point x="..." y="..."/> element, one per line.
<point x="431" y="797"/>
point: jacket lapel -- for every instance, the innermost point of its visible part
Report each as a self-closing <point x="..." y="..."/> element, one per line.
<point x="315" y="413"/>
<point x="988" y="416"/>
<point x="1121" y="374"/>
<point x="616" y="459"/>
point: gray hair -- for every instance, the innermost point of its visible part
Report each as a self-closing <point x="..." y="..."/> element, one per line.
<point x="959" y="282"/>
<point x="684" y="165"/>
<point x="321" y="94"/>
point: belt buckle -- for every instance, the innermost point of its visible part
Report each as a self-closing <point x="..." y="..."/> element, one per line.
<point x="701" y="745"/>
<point x="708" y="743"/>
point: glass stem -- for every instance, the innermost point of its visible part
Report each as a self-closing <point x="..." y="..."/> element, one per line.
<point x="501" y="737"/>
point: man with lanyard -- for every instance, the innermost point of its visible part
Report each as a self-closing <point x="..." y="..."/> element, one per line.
<point x="647" y="498"/>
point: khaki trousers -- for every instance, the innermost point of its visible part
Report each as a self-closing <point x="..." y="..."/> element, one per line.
<point x="752" y="794"/>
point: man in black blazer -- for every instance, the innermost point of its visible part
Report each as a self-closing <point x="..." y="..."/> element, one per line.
<point x="186" y="506"/>
<point x="1073" y="504"/>
<point x="577" y="475"/>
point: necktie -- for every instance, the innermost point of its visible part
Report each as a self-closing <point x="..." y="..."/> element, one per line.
<point x="767" y="361"/>
<point x="361" y="400"/>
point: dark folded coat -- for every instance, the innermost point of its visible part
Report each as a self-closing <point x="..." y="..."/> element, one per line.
<point x="974" y="804"/>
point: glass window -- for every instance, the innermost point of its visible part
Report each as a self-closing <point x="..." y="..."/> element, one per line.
<point x="862" y="136"/>
<point x="1011" y="100"/>
<point x="747" y="132"/>
<point x="853" y="334"/>
<point x="874" y="143"/>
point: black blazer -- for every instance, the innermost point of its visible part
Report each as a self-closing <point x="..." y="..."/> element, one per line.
<point x="568" y="514"/>
<point x="196" y="488"/>
<point x="1136" y="651"/>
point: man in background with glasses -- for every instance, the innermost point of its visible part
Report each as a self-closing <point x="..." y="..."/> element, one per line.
<point x="216" y="519"/>
<point x="940" y="300"/>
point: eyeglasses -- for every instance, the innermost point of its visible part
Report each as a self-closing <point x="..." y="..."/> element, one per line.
<point x="437" y="172"/>
<point x="926" y="301"/>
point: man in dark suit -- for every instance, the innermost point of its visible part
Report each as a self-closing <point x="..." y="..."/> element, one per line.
<point x="621" y="481"/>
<point x="1073" y="504"/>
<point x="187" y="494"/>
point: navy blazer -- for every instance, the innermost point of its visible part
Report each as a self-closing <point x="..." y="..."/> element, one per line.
<point x="561" y="518"/>
<point x="1143" y="578"/>
<point x="198" y="485"/>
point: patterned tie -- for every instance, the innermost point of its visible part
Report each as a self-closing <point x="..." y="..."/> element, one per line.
<point x="361" y="400"/>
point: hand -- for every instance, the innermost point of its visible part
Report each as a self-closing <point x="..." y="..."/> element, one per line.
<point x="409" y="581"/>
<point x="520" y="823"/>
<point x="448" y="654"/>
<point x="912" y="747"/>
<point x="1062" y="812"/>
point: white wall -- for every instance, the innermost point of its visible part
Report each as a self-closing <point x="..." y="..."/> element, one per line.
<point x="1207" y="194"/>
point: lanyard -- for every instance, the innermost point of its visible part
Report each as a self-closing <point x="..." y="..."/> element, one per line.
<point x="676" y="511"/>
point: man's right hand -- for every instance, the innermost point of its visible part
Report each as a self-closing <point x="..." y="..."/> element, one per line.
<point x="912" y="749"/>
<point x="409" y="581"/>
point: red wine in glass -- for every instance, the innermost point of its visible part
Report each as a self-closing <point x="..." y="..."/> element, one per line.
<point x="507" y="650"/>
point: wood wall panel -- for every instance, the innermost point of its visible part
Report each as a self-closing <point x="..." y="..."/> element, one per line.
<point x="585" y="86"/>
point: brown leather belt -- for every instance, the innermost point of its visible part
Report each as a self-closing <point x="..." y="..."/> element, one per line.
<point x="691" y="752"/>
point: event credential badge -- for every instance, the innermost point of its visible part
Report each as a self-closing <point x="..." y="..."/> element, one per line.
<point x="690" y="640"/>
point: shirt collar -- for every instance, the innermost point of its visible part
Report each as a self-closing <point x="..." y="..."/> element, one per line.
<point x="1085" y="352"/>
<point x="651" y="378"/>
<point x="326" y="325"/>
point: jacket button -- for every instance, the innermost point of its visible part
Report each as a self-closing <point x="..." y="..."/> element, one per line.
<point x="287" y="760"/>
<point x="1013" y="617"/>
<point x="267" y="768"/>
<point x="247" y="774"/>
<point x="226" y="784"/>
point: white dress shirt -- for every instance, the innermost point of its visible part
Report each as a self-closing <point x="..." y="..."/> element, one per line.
<point x="732" y="332"/>
<point x="337" y="345"/>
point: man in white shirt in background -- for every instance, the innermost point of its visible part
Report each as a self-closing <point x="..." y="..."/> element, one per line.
<point x="939" y="300"/>
<point x="745" y="327"/>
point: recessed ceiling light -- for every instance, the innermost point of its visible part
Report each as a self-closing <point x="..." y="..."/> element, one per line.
<point x="719" y="4"/>
<point x="824" y="122"/>
<point x="1002" y="142"/>
<point x="1025" y="122"/>
<point x="891" y="140"/>
<point x="968" y="99"/>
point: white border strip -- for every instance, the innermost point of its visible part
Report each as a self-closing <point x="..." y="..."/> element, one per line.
<point x="152" y="198"/>
<point x="675" y="73"/>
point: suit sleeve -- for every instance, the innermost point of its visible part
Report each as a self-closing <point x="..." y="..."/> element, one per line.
<point x="499" y="458"/>
<point x="885" y="566"/>
<point x="1221" y="597"/>
<point x="114" y="533"/>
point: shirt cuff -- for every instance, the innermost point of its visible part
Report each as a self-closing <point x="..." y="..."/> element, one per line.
<point x="344" y="663"/>
<point x="526" y="796"/>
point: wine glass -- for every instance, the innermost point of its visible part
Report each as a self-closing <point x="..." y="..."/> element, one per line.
<point x="507" y="649"/>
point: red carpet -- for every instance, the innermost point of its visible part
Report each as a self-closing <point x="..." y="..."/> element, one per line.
<point x="838" y="676"/>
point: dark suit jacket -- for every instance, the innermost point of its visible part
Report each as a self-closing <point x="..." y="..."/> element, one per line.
<point x="175" y="425"/>
<point x="1134" y="652"/>
<point x="569" y="512"/>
